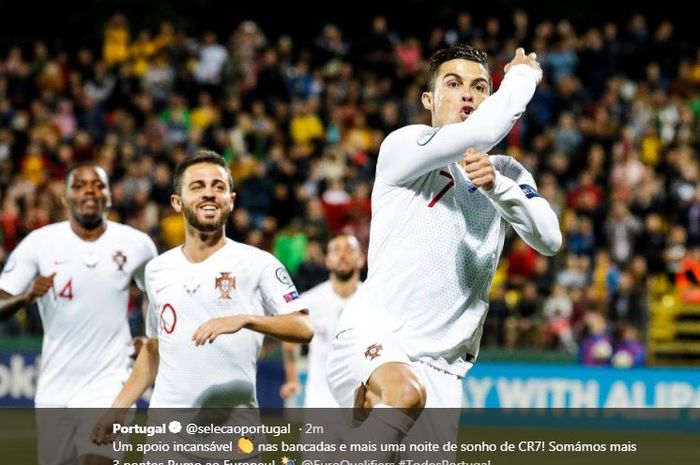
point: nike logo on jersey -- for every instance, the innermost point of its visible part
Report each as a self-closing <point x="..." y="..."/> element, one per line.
<point x="160" y="289"/>
<point x="425" y="136"/>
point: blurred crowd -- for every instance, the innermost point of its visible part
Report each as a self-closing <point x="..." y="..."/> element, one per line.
<point x="611" y="137"/>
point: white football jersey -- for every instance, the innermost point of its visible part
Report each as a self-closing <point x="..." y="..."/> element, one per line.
<point x="236" y="279"/>
<point x="86" y="345"/>
<point x="325" y="307"/>
<point x="435" y="240"/>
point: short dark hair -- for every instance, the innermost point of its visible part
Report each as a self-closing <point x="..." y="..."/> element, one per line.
<point x="461" y="51"/>
<point x="200" y="156"/>
<point x="73" y="167"/>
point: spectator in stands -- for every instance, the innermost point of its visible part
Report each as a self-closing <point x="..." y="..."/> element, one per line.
<point x="522" y="328"/>
<point x="557" y="311"/>
<point x="627" y="305"/>
<point x="494" y="327"/>
<point x="628" y="349"/>
<point x="212" y="57"/>
<point x="675" y="251"/>
<point x="521" y="263"/>
<point x="621" y="230"/>
<point x="596" y="345"/>
<point x="116" y="40"/>
<point x="688" y="276"/>
<point x="312" y="270"/>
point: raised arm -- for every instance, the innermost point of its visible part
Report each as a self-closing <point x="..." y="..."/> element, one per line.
<point x="412" y="151"/>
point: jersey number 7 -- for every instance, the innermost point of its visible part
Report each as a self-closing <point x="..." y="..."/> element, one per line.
<point x="444" y="190"/>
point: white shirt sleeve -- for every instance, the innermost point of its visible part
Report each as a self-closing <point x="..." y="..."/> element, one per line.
<point x="278" y="292"/>
<point x="21" y="268"/>
<point x="149" y="251"/>
<point x="412" y="151"/>
<point x="151" y="316"/>
<point x="515" y="196"/>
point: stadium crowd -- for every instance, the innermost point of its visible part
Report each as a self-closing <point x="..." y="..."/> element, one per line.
<point x="611" y="136"/>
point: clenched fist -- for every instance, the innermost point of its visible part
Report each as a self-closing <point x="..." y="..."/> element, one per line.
<point x="521" y="59"/>
<point x="40" y="286"/>
<point x="479" y="169"/>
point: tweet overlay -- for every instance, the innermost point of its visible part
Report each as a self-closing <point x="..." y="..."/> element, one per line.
<point x="352" y="437"/>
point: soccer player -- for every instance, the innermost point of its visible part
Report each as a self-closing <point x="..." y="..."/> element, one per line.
<point x="211" y="302"/>
<point x="440" y="208"/>
<point x="79" y="272"/>
<point x="344" y="261"/>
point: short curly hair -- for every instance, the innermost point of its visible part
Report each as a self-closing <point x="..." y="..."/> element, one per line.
<point x="464" y="52"/>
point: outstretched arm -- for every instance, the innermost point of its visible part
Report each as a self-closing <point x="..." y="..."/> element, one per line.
<point x="412" y="151"/>
<point x="291" y="327"/>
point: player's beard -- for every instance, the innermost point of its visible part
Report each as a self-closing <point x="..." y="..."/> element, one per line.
<point x="192" y="220"/>
<point x="90" y="222"/>
<point x="343" y="276"/>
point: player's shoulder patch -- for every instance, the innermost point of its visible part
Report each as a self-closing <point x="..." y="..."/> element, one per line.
<point x="294" y="295"/>
<point x="529" y="191"/>
<point x="425" y="136"/>
<point x="283" y="276"/>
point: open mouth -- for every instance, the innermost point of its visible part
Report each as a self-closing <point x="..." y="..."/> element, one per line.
<point x="209" y="208"/>
<point x="465" y="111"/>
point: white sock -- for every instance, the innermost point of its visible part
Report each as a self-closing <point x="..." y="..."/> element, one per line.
<point x="384" y="425"/>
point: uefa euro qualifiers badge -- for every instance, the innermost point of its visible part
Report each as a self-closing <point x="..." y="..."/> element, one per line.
<point x="426" y="136"/>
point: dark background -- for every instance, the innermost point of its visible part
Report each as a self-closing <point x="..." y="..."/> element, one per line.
<point x="67" y="23"/>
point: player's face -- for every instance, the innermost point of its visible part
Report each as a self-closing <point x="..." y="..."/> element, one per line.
<point x="460" y="87"/>
<point x="87" y="196"/>
<point x="206" y="197"/>
<point x="344" y="257"/>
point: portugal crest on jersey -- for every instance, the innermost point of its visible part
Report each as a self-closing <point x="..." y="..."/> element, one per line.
<point x="373" y="351"/>
<point x="225" y="284"/>
<point x="120" y="259"/>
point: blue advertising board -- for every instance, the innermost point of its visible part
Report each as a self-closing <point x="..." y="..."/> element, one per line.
<point x="526" y="385"/>
<point x="488" y="385"/>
